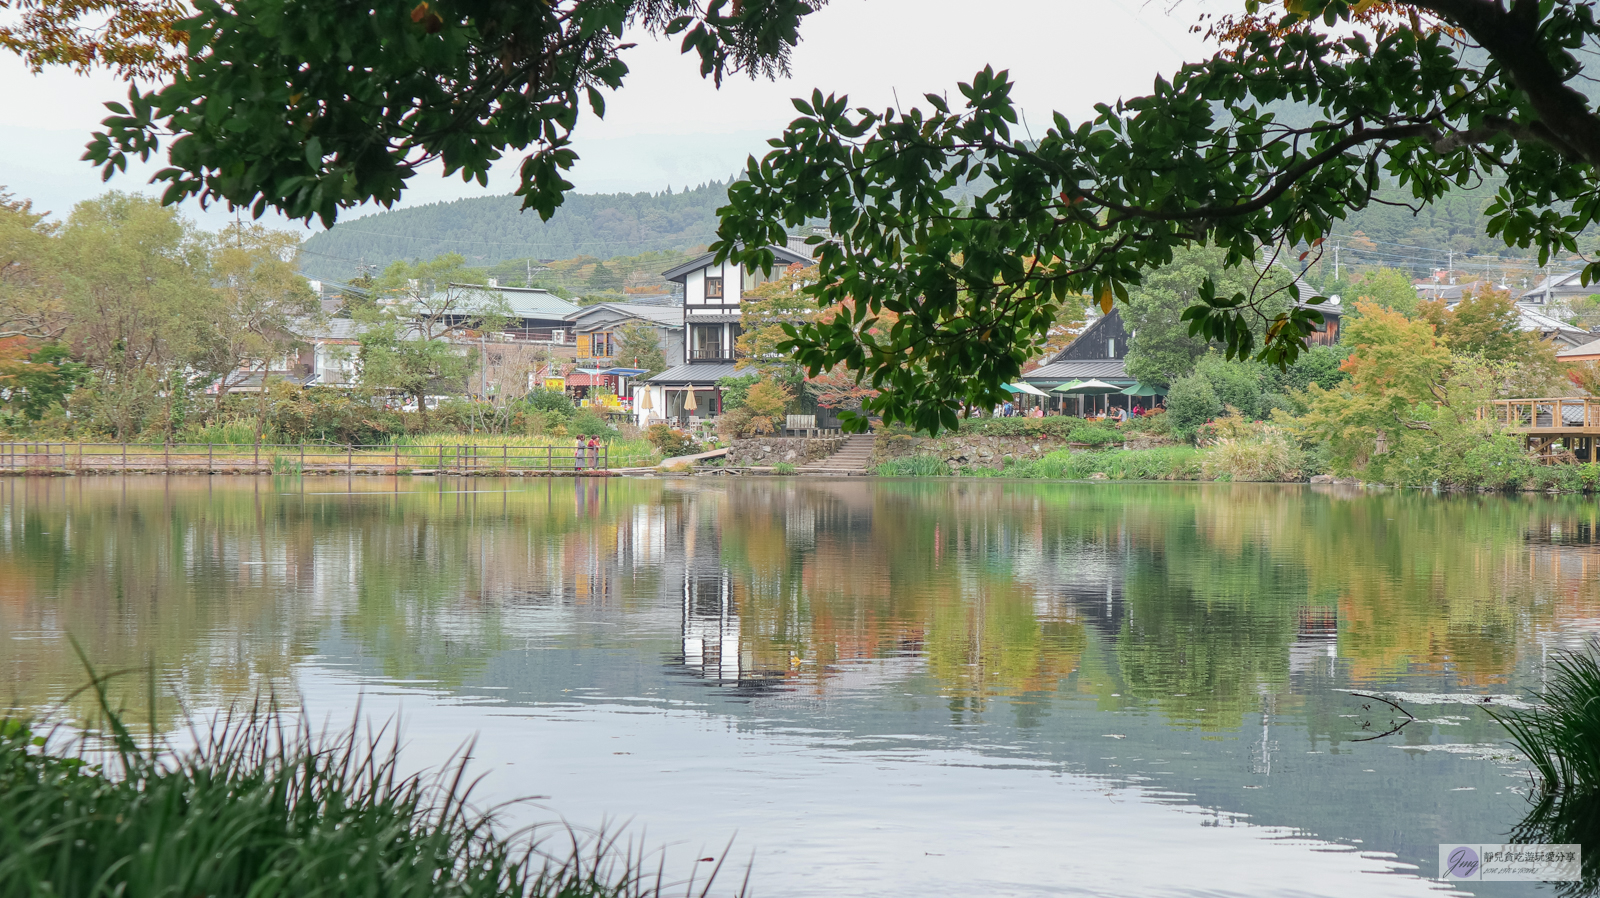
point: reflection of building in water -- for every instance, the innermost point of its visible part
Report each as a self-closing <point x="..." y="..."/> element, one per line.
<point x="711" y="626"/>
<point x="1261" y="752"/>
<point x="1315" y="649"/>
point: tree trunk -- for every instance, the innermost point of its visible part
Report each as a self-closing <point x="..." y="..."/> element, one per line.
<point x="422" y="409"/>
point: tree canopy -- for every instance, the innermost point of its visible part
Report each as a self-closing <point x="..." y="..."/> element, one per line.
<point x="1091" y="207"/>
<point x="309" y="107"/>
<point x="1162" y="348"/>
<point x="972" y="230"/>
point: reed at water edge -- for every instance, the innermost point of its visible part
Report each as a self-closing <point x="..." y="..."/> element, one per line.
<point x="264" y="807"/>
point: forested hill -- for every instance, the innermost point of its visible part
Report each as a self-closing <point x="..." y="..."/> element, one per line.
<point x="492" y="229"/>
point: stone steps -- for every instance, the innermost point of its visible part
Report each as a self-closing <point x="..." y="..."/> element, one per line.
<point x="852" y="459"/>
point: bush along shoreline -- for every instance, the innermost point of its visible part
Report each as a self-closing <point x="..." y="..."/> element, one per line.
<point x="1230" y="449"/>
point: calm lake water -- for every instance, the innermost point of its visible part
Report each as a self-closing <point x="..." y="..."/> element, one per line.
<point x="875" y="687"/>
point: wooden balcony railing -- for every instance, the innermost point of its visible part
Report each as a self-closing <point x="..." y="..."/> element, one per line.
<point x="714" y="355"/>
<point x="1574" y="414"/>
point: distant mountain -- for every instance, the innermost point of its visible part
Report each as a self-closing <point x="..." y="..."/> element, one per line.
<point x="493" y="229"/>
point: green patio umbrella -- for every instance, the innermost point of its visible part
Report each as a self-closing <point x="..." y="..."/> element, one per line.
<point x="1088" y="387"/>
<point x="1142" y="390"/>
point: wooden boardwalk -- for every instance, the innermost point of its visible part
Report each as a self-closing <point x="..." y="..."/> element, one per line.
<point x="1562" y="428"/>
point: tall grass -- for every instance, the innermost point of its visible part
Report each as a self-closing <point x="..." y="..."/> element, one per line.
<point x="913" y="466"/>
<point x="221" y="433"/>
<point x="1561" y="735"/>
<point x="263" y="808"/>
<point x="1161" y="463"/>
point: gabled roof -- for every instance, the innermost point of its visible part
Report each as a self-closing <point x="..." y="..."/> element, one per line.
<point x="664" y="316"/>
<point x="1092" y="332"/>
<point x="1451" y="293"/>
<point x="1582" y="350"/>
<point x="783" y="254"/>
<point x="1568" y="284"/>
<point x="1529" y="319"/>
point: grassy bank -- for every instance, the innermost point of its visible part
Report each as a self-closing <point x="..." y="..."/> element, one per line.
<point x="262" y="808"/>
<point x="476" y="453"/>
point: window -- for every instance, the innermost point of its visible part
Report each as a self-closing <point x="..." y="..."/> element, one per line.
<point x="602" y="346"/>
<point x="713" y="289"/>
<point x="705" y="342"/>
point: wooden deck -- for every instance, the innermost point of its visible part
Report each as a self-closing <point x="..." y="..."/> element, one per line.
<point x="1560" y="428"/>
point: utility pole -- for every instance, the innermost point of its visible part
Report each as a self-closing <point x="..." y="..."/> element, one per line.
<point x="1450" y="266"/>
<point x="1336" y="261"/>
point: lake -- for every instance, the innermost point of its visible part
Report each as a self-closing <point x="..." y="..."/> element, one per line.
<point x="888" y="687"/>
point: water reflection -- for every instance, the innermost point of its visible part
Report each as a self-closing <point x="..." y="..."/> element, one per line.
<point x="1203" y="638"/>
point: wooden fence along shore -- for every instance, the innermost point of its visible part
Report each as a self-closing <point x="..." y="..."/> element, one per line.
<point x="218" y="458"/>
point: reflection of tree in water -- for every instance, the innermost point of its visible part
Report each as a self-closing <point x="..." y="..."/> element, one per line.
<point x="1554" y="820"/>
<point x="224" y="584"/>
<point x="1196" y="599"/>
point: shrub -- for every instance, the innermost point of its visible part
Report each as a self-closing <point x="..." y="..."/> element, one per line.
<point x="1191" y="402"/>
<point x="734" y="390"/>
<point x="768" y="398"/>
<point x="1156" y="423"/>
<point x="1496" y="461"/>
<point x="588" y="424"/>
<point x="1253" y="452"/>
<point x="544" y="400"/>
<point x="670" y="441"/>
<point x="743" y="422"/>
<point x="784" y="467"/>
<point x="1237" y="384"/>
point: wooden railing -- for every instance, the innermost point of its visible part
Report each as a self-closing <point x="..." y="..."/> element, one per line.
<point x="1573" y="413"/>
<point x="264" y="458"/>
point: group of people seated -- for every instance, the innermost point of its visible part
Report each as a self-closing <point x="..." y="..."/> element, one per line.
<point x="1011" y="410"/>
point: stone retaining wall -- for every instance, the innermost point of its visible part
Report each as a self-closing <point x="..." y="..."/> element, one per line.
<point x="792" y="450"/>
<point x="961" y="450"/>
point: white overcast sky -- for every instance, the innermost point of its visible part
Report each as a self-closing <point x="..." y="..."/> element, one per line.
<point x="667" y="126"/>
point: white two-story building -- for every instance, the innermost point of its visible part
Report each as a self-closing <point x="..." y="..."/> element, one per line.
<point x="712" y="296"/>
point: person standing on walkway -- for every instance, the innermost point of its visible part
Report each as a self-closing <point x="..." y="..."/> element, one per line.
<point x="594" y="452"/>
<point x="577" y="455"/>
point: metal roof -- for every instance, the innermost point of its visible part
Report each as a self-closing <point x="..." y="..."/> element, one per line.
<point x="532" y="302"/>
<point x="695" y="374"/>
<point x="665" y="316"/>
<point x="1057" y="373"/>
<point x="328" y="329"/>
